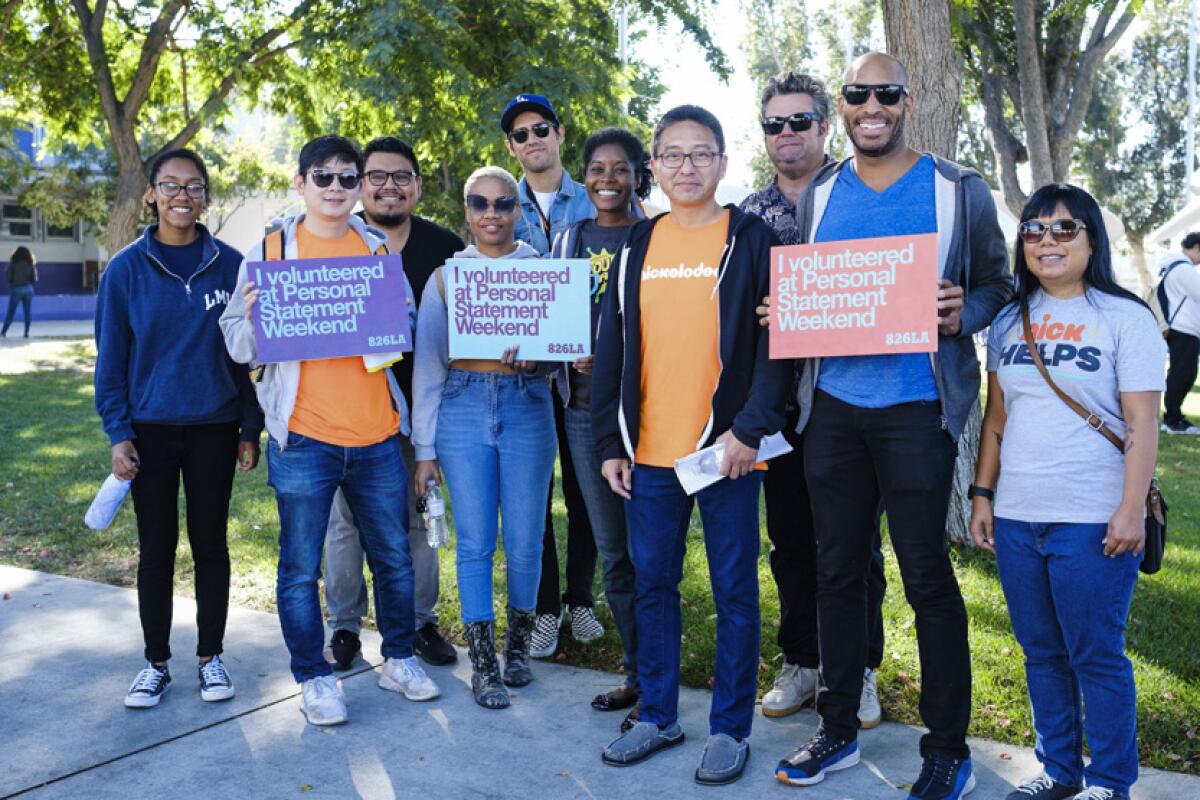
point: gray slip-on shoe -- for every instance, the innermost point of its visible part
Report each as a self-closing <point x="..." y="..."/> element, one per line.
<point x="723" y="760"/>
<point x="642" y="741"/>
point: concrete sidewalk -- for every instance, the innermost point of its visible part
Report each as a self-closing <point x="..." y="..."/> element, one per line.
<point x="71" y="647"/>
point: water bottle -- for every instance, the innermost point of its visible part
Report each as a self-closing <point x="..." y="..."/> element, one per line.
<point x="107" y="502"/>
<point x="433" y="511"/>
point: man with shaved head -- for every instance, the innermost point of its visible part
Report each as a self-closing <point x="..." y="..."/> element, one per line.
<point x="884" y="428"/>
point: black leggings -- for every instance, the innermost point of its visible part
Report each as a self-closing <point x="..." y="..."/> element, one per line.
<point x="206" y="455"/>
<point x="1185" y="350"/>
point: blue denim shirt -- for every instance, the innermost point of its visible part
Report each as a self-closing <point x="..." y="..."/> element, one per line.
<point x="570" y="205"/>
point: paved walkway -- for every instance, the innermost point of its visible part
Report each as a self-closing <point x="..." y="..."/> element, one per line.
<point x="71" y="647"/>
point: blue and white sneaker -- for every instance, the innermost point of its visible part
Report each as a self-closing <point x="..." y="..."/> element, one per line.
<point x="822" y="753"/>
<point x="148" y="687"/>
<point x="943" y="778"/>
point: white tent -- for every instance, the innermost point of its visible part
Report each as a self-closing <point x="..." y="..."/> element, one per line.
<point x="1187" y="220"/>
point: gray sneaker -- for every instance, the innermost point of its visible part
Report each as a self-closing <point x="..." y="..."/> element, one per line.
<point x="723" y="760"/>
<point x="642" y="741"/>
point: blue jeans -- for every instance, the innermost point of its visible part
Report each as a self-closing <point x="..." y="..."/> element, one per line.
<point x="1068" y="603"/>
<point x="22" y="295"/>
<point x="606" y="513"/>
<point x="496" y="444"/>
<point x="658" y="516"/>
<point x="305" y="476"/>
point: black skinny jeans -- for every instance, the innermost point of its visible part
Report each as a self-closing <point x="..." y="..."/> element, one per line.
<point x="794" y="561"/>
<point x="581" y="543"/>
<point x="1185" y="352"/>
<point x="854" y="458"/>
<point x="206" y="455"/>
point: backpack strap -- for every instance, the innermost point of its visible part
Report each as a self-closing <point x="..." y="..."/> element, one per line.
<point x="274" y="242"/>
<point x="441" y="282"/>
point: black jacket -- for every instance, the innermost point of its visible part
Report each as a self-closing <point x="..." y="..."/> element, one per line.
<point x="751" y="389"/>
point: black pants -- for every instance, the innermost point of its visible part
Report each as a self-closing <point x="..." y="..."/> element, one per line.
<point x="854" y="458"/>
<point x="794" y="562"/>
<point x="1185" y="351"/>
<point x="581" y="544"/>
<point x="206" y="455"/>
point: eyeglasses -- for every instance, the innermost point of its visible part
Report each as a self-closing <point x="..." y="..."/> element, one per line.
<point x="801" y="121"/>
<point x="700" y="158"/>
<point x="541" y="130"/>
<point x="502" y="205"/>
<point x="1061" y="230"/>
<point x="888" y="94"/>
<point x="401" y="177"/>
<point x="195" y="189"/>
<point x="323" y="178"/>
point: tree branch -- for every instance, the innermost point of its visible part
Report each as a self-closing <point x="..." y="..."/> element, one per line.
<point x="1085" y="81"/>
<point x="1006" y="146"/>
<point x="91" y="24"/>
<point x="1033" y="91"/>
<point x="152" y="50"/>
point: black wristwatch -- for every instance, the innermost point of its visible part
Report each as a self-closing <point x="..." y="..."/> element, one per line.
<point x="979" y="491"/>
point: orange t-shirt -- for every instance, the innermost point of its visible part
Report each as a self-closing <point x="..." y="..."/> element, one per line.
<point x="680" y="359"/>
<point x="338" y="401"/>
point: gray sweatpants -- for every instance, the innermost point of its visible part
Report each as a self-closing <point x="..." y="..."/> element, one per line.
<point x="345" y="586"/>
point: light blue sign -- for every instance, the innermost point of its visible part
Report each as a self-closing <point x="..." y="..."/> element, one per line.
<point x="538" y="305"/>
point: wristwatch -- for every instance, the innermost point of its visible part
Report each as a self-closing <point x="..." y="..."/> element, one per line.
<point x="979" y="491"/>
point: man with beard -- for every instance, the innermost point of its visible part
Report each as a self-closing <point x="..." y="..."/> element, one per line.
<point x="795" y="122"/>
<point x="391" y="188"/>
<point x="884" y="428"/>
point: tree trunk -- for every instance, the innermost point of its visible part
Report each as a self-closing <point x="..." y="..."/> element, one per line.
<point x="918" y="33"/>
<point x="1033" y="92"/>
<point x="1138" y="247"/>
<point x="126" y="209"/>
<point x="958" y="513"/>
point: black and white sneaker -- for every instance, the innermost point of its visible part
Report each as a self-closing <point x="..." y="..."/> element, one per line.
<point x="584" y="625"/>
<point x="148" y="687"/>
<point x="544" y="639"/>
<point x="215" y="684"/>
<point x="1043" y="787"/>
<point x="1182" y="427"/>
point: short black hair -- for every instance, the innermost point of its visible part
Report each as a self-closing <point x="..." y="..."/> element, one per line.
<point x="161" y="159"/>
<point x="327" y="148"/>
<point x="390" y="144"/>
<point x="634" y="151"/>
<point x="1191" y="240"/>
<point x="797" y="83"/>
<point x="701" y="116"/>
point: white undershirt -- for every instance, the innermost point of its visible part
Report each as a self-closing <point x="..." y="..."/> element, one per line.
<point x="544" y="200"/>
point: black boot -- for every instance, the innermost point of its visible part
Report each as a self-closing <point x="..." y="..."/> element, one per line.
<point x="516" y="647"/>
<point x="486" y="685"/>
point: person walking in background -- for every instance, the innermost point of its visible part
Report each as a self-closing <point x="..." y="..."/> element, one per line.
<point x="21" y="274"/>
<point x="616" y="175"/>
<point x="173" y="403"/>
<point x="1181" y="282"/>
<point x="390" y="192"/>
<point x="489" y="425"/>
<point x="1068" y="559"/>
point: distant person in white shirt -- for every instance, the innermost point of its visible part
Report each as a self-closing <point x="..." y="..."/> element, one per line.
<point x="1182" y="282"/>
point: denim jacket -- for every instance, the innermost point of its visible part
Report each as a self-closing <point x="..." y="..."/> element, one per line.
<point x="570" y="205"/>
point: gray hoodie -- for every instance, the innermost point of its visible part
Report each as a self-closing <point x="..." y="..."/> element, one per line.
<point x="432" y="357"/>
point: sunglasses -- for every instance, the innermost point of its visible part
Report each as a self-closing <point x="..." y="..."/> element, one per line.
<point x="1061" y="230"/>
<point x="195" y="190"/>
<point x="502" y="205"/>
<point x="323" y="178"/>
<point x="401" y="177"/>
<point x="888" y="94"/>
<point x="541" y="130"/>
<point x="802" y="121"/>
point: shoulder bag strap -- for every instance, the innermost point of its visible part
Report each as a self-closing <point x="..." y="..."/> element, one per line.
<point x="1094" y="421"/>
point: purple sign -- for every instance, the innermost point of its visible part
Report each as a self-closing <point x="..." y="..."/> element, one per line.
<point x="312" y="308"/>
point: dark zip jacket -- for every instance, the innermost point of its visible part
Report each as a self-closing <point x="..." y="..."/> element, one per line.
<point x="161" y="358"/>
<point x="751" y="389"/>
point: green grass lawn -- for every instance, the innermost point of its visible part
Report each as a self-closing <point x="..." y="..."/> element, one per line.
<point x="55" y="456"/>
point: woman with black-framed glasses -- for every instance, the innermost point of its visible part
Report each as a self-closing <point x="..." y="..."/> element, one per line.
<point x="173" y="403"/>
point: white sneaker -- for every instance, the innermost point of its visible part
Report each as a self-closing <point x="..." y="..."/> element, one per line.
<point x="869" y="711"/>
<point x="544" y="639"/>
<point x="215" y="684"/>
<point x="1185" y="428"/>
<point x="795" y="687"/>
<point x="148" y="687"/>
<point x="322" y="702"/>
<point x="584" y="625"/>
<point x="404" y="675"/>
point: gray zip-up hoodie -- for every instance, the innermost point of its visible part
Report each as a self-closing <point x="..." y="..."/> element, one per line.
<point x="277" y="386"/>
<point x="971" y="254"/>
<point x="432" y="357"/>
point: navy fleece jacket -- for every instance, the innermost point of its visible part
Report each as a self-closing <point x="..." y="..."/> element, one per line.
<point x="161" y="358"/>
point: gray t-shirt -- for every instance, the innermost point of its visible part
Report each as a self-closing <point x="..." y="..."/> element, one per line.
<point x="1053" y="467"/>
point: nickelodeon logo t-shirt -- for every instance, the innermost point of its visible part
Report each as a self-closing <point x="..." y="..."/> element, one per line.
<point x="680" y="361"/>
<point x="1053" y="466"/>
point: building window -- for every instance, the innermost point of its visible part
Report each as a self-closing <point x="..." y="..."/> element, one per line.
<point x="16" y="221"/>
<point x="62" y="233"/>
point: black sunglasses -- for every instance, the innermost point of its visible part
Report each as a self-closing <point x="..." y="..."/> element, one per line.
<point x="401" y="177"/>
<point x="323" y="178"/>
<point x="1061" y="230"/>
<point x="480" y="204"/>
<point x="801" y="121"/>
<point x="888" y="94"/>
<point x="541" y="130"/>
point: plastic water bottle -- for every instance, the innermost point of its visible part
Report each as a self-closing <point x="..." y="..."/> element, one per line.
<point x="433" y="511"/>
<point x="107" y="502"/>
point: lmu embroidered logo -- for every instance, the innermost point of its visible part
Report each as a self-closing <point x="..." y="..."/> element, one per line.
<point x="218" y="297"/>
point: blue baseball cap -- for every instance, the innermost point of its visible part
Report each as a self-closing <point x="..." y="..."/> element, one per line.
<point x="526" y="102"/>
